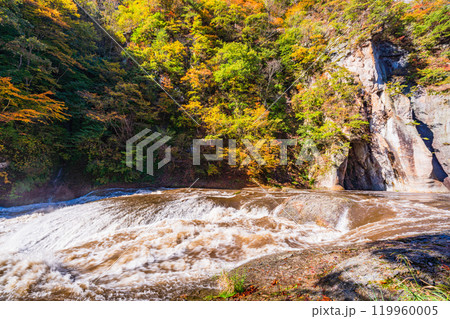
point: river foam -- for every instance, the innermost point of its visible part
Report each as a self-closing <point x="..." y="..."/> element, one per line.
<point x="151" y="245"/>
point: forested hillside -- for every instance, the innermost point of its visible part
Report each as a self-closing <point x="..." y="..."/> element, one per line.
<point x="258" y="69"/>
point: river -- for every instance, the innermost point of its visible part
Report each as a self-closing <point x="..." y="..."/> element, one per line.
<point x="155" y="244"/>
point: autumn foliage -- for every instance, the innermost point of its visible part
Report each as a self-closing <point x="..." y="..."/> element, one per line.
<point x="28" y="108"/>
<point x="259" y="70"/>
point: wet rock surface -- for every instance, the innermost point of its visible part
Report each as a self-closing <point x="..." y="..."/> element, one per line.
<point x="318" y="208"/>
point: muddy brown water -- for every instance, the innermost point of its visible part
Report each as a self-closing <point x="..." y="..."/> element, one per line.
<point x="122" y="244"/>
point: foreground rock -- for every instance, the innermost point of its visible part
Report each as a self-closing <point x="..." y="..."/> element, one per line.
<point x="362" y="272"/>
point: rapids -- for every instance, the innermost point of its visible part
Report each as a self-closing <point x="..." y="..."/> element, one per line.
<point x="144" y="244"/>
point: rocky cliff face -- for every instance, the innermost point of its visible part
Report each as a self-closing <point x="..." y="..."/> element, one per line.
<point x="410" y="135"/>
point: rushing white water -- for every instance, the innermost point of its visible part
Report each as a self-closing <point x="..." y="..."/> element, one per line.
<point x="134" y="245"/>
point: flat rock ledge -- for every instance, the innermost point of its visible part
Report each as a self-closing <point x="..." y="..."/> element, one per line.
<point x="370" y="271"/>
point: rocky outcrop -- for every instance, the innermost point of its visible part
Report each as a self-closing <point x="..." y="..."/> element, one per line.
<point x="433" y="114"/>
<point x="410" y="136"/>
<point x="332" y="178"/>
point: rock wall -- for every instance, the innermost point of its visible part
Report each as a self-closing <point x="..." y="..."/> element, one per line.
<point x="410" y="136"/>
<point x="433" y="114"/>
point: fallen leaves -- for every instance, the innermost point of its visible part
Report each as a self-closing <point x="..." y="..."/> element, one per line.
<point x="325" y="298"/>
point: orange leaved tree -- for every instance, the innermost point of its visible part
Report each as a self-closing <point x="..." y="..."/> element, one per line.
<point x="17" y="105"/>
